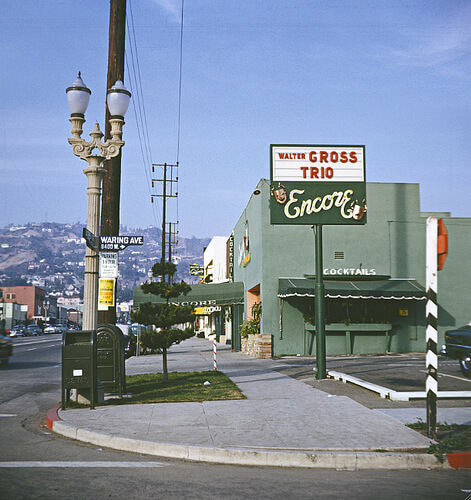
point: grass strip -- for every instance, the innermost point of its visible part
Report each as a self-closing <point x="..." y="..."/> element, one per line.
<point x="450" y="438"/>
<point x="179" y="388"/>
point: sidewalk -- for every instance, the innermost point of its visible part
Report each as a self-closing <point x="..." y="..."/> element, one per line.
<point x="283" y="422"/>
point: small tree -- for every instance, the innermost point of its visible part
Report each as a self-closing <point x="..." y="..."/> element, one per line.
<point x="164" y="316"/>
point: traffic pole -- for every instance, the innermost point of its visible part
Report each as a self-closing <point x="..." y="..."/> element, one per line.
<point x="215" y="355"/>
<point x="319" y="307"/>
<point x="431" y="334"/>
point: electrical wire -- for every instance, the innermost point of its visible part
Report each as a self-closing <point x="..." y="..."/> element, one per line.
<point x="180" y="104"/>
<point x="135" y="83"/>
<point x="133" y="68"/>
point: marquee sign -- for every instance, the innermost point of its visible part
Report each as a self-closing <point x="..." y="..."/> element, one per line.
<point x="317" y="184"/>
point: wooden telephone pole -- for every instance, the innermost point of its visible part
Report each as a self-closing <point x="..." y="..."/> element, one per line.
<point x="112" y="180"/>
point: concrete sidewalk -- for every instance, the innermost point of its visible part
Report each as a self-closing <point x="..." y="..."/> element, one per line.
<point x="283" y="422"/>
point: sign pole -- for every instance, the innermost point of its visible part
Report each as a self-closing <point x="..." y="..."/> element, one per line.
<point x="431" y="359"/>
<point x="320" y="306"/>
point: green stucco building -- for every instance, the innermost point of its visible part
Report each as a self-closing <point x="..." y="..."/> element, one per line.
<point x="374" y="277"/>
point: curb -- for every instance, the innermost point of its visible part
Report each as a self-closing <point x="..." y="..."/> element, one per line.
<point x="256" y="457"/>
<point x="52" y="416"/>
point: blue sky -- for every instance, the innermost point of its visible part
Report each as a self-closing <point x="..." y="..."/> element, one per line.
<point x="392" y="75"/>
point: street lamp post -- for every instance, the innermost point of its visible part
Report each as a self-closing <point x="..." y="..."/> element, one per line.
<point x="117" y="99"/>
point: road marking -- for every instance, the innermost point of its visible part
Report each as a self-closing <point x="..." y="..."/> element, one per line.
<point x="32" y="349"/>
<point x="7" y="415"/>
<point x="21" y="344"/>
<point x="82" y="464"/>
<point x="451" y="376"/>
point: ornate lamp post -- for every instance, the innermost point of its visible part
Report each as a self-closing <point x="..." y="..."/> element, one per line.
<point x="117" y="99"/>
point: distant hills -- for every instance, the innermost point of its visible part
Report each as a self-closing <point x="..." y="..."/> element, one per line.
<point x="52" y="256"/>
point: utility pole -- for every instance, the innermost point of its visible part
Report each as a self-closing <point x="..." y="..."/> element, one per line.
<point x="112" y="181"/>
<point x="169" y="183"/>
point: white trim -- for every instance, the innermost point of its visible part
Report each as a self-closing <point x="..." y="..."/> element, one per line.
<point x="350" y="296"/>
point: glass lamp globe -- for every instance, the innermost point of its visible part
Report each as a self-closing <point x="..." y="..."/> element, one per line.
<point x="117" y="98"/>
<point x="78" y="96"/>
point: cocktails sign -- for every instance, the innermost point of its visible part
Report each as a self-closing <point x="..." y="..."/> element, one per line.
<point x="317" y="184"/>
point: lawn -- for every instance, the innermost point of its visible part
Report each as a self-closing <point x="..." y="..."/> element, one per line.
<point x="180" y="387"/>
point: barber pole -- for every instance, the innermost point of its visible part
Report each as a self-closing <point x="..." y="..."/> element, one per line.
<point x="431" y="335"/>
<point x="215" y="355"/>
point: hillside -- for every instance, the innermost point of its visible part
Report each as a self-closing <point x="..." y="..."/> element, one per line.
<point x="52" y="256"/>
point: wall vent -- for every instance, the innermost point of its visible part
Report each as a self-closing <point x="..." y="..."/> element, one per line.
<point x="339" y="255"/>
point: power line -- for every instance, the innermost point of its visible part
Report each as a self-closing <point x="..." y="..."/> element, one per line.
<point x="180" y="85"/>
<point x="139" y="108"/>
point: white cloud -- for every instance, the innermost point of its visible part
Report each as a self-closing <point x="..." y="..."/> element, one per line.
<point x="171" y="7"/>
<point x="438" y="45"/>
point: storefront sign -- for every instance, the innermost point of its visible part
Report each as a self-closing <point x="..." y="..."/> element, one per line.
<point x="349" y="271"/>
<point x="230" y="257"/>
<point x="318" y="185"/>
<point x="196" y="270"/>
<point x="200" y="311"/>
<point x="244" y="247"/>
<point x="106" y="297"/>
<point x="195" y="303"/>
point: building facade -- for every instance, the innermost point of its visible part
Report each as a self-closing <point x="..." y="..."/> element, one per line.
<point x="32" y="296"/>
<point x="374" y="275"/>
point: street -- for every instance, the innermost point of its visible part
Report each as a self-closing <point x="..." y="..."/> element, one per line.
<point x="37" y="464"/>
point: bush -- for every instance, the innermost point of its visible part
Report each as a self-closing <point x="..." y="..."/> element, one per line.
<point x="252" y="326"/>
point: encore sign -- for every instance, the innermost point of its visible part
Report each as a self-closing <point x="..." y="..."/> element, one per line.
<point x="317" y="184"/>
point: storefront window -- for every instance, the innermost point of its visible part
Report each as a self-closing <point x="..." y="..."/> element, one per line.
<point x="353" y="311"/>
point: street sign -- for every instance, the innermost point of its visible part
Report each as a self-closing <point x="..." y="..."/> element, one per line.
<point x="90" y="239"/>
<point x="108" y="264"/>
<point x="442" y="244"/>
<point x="116" y="243"/>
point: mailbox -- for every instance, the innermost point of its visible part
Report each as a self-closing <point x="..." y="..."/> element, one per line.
<point x="110" y="358"/>
<point x="79" y="364"/>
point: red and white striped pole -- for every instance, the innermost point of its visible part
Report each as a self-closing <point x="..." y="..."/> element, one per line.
<point x="215" y="355"/>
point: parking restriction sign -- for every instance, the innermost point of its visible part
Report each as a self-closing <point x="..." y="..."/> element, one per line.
<point x="108" y="264"/>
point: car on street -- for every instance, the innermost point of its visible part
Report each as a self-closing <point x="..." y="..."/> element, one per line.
<point x="18" y="331"/>
<point x="55" y="329"/>
<point x="130" y="344"/>
<point x="33" y="330"/>
<point x="458" y="346"/>
<point x="6" y="348"/>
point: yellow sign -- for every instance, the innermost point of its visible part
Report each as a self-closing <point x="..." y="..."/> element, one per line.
<point x="200" y="311"/>
<point x="106" y="297"/>
<point x="403" y="312"/>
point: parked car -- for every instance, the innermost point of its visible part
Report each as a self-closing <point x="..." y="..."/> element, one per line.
<point x="33" y="330"/>
<point x="18" y="331"/>
<point x="55" y="329"/>
<point x="6" y="348"/>
<point x="130" y="344"/>
<point x="458" y="346"/>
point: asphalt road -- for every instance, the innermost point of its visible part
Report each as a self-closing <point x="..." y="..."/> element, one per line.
<point x="400" y="372"/>
<point x="37" y="464"/>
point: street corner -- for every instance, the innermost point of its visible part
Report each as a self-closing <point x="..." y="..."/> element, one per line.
<point x="53" y="416"/>
<point x="460" y="460"/>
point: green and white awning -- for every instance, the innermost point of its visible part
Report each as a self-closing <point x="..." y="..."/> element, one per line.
<point x="396" y="289"/>
<point x="221" y="294"/>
